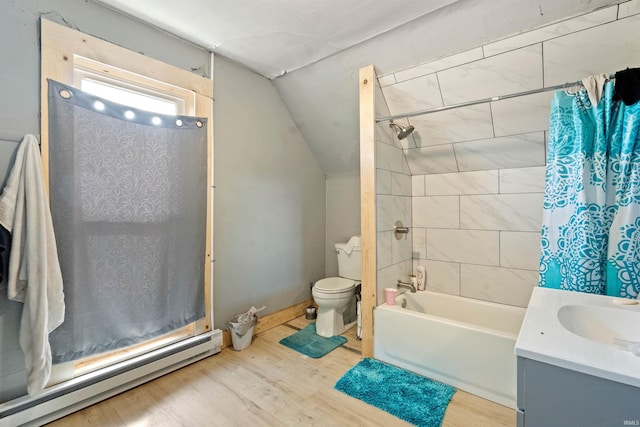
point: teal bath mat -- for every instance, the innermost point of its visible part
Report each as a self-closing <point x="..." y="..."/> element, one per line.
<point x="408" y="396"/>
<point x="306" y="341"/>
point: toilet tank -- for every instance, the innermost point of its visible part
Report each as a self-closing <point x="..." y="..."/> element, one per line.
<point x="349" y="266"/>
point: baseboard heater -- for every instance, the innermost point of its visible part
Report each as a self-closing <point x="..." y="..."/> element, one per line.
<point x="70" y="396"/>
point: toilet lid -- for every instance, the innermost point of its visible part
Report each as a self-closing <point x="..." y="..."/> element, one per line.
<point x="334" y="285"/>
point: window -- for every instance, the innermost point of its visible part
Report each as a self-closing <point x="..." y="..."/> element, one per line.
<point x="128" y="97"/>
<point x="132" y="79"/>
<point x="124" y="87"/>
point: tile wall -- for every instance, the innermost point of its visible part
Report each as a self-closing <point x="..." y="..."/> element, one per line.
<point x="477" y="173"/>
<point x="393" y="203"/>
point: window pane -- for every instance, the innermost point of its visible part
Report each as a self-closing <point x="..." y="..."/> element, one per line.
<point x="129" y="98"/>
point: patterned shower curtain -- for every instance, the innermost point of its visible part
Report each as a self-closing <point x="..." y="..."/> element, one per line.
<point x="591" y="219"/>
<point x="128" y="202"/>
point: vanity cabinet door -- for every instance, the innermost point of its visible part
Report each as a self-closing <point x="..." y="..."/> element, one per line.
<point x="549" y="396"/>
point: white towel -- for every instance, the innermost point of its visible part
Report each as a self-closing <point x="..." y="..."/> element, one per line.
<point x="34" y="276"/>
<point x="595" y="86"/>
<point x="352" y="243"/>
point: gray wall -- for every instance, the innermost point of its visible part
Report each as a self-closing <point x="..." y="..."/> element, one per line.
<point x="20" y="67"/>
<point x="269" y="200"/>
<point x="271" y="218"/>
<point x="20" y="107"/>
<point x="343" y="215"/>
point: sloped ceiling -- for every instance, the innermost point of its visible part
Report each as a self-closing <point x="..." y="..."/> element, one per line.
<point x="272" y="37"/>
<point x="313" y="49"/>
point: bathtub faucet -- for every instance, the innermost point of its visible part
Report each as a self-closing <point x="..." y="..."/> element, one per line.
<point x="402" y="284"/>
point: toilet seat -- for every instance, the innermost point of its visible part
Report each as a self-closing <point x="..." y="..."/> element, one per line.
<point x="334" y="285"/>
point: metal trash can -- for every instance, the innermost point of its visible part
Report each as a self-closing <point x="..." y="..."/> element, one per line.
<point x="241" y="330"/>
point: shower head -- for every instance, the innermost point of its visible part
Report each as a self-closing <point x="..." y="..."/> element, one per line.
<point x="403" y="131"/>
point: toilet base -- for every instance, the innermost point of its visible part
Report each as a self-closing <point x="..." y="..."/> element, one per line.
<point x="331" y="324"/>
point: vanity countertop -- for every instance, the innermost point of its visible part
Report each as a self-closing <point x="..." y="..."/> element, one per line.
<point x="576" y="331"/>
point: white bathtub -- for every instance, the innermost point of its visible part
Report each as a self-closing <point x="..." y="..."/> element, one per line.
<point x="463" y="342"/>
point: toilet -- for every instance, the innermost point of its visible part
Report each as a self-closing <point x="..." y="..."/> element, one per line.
<point x="335" y="295"/>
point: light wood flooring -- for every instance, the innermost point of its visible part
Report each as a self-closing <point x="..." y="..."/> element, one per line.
<point x="266" y="384"/>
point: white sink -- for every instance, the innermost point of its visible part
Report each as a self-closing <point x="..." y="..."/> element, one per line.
<point x="606" y="325"/>
<point x="594" y="334"/>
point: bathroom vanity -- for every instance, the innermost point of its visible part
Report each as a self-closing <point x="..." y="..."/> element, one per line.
<point x="577" y="363"/>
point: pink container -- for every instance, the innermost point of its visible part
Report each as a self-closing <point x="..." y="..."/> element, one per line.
<point x="390" y="295"/>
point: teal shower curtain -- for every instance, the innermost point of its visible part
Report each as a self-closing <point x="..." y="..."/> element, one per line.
<point x="591" y="217"/>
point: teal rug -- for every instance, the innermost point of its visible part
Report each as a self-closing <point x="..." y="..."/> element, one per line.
<point x="306" y="341"/>
<point x="410" y="397"/>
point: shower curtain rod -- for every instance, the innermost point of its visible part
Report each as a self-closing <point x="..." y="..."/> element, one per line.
<point x="481" y="101"/>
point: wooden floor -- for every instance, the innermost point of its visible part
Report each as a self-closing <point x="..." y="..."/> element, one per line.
<point x="266" y="384"/>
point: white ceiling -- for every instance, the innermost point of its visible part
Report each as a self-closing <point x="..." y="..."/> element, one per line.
<point x="276" y="36"/>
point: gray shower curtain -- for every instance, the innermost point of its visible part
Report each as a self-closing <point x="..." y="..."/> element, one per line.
<point x="128" y="201"/>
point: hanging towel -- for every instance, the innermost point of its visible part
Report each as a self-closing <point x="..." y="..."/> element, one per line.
<point x="594" y="86"/>
<point x="5" y="244"/>
<point x="352" y="243"/>
<point x="628" y="85"/>
<point x="34" y="276"/>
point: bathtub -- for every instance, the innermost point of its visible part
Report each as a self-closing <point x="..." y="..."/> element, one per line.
<point x="466" y="343"/>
